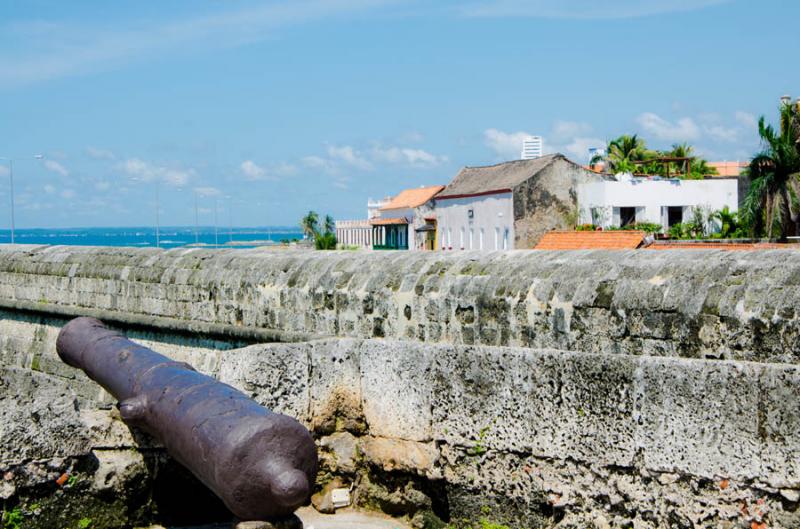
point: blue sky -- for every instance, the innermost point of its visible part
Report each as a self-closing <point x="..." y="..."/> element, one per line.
<point x="274" y="108"/>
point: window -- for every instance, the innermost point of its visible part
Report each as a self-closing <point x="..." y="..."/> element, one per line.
<point x="627" y="216"/>
<point x="496" y="238"/>
<point x="471" y="237"/>
<point x="461" y="240"/>
<point x="442" y="233"/>
<point x="505" y="239"/>
<point x="480" y="240"/>
<point x="450" y="238"/>
<point x="674" y="215"/>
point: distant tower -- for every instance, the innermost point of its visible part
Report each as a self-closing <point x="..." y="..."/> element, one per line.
<point x="531" y="147"/>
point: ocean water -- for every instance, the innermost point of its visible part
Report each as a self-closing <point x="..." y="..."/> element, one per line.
<point x="170" y="237"/>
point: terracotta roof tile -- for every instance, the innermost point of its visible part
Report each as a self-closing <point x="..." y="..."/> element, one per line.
<point x="385" y="222"/>
<point x="728" y="169"/>
<point x="720" y="246"/>
<point x="590" y="240"/>
<point x="412" y="198"/>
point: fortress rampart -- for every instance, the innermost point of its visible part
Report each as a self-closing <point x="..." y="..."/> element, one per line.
<point x="542" y="389"/>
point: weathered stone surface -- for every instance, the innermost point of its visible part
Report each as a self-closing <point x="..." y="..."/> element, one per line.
<point x="323" y="500"/>
<point x="595" y="416"/>
<point x="701" y="304"/>
<point x="292" y="522"/>
<point x="274" y="375"/>
<point x="395" y="389"/>
<point x="335" y="387"/>
<point x="339" y="452"/>
<point x="397" y="454"/>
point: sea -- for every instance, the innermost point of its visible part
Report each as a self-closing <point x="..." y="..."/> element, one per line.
<point x="168" y="237"/>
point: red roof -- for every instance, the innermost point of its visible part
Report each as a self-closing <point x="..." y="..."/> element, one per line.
<point x="590" y="240"/>
<point x="728" y="169"/>
<point x="702" y="245"/>
<point x="386" y="222"/>
<point x="412" y="198"/>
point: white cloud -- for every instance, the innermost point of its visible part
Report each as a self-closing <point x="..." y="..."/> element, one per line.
<point x="685" y="129"/>
<point x="207" y="191"/>
<point x="54" y="166"/>
<point x="340" y="159"/>
<point x="316" y="162"/>
<point x="583" y="9"/>
<point x="140" y="170"/>
<point x="349" y="156"/>
<point x="578" y="148"/>
<point x="746" y="119"/>
<point x="506" y="144"/>
<point x="99" y="154"/>
<point x="722" y="133"/>
<point x="102" y="185"/>
<point x="49" y="189"/>
<point x="76" y="49"/>
<point x="404" y="155"/>
<point x="252" y="171"/>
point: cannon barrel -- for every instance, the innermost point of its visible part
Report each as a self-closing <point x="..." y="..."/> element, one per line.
<point x="260" y="463"/>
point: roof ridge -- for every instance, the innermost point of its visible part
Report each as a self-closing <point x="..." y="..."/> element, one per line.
<point x="552" y="156"/>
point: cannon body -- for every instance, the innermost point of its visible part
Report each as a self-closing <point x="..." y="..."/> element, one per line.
<point x="260" y="463"/>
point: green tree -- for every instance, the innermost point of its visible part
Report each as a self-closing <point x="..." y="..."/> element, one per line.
<point x="621" y="153"/>
<point x="729" y="225"/>
<point x="325" y="241"/>
<point x="310" y="223"/>
<point x="772" y="206"/>
<point x="330" y="224"/>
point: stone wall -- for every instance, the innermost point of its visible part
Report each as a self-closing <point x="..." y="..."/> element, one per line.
<point x="610" y="432"/>
<point x="548" y="201"/>
<point x="688" y="303"/>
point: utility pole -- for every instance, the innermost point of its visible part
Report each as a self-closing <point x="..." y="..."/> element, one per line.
<point x="158" y="221"/>
<point x="196" y="220"/>
<point x="11" y="181"/>
<point x="216" y="231"/>
<point x="230" y="220"/>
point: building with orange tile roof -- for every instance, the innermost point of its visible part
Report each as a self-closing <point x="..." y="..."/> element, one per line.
<point x="592" y="240"/>
<point x="728" y="169"/>
<point x="509" y="205"/>
<point x="404" y="223"/>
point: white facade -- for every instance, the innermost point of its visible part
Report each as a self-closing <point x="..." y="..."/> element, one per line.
<point x="484" y="222"/>
<point x="374" y="206"/>
<point x="354" y="233"/>
<point x="532" y="148"/>
<point x="659" y="201"/>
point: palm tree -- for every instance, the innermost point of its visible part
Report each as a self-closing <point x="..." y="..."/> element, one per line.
<point x="772" y="205"/>
<point x="309" y="224"/>
<point x="728" y="222"/>
<point x="330" y="224"/>
<point x="621" y="153"/>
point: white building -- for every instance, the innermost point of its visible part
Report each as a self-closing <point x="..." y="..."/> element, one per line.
<point x="508" y="205"/>
<point x="667" y="202"/>
<point x="354" y="233"/>
<point x="374" y="206"/>
<point x="532" y="147"/>
<point x="407" y="222"/>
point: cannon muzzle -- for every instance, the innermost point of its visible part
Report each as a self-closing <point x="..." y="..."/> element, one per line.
<point x="261" y="464"/>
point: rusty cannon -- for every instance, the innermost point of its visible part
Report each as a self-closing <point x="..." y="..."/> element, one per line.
<point x="261" y="464"/>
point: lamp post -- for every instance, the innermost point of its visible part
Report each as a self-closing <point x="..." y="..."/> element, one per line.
<point x="158" y="220"/>
<point x="11" y="189"/>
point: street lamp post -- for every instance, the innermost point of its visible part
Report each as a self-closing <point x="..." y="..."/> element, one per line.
<point x="158" y="220"/>
<point x="11" y="190"/>
<point x="11" y="186"/>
